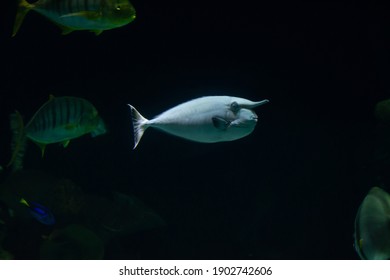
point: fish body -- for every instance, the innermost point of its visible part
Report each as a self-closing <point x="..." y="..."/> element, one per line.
<point x="64" y="118"/>
<point x="372" y="226"/>
<point x="59" y="120"/>
<point x="70" y="15"/>
<point x="206" y="119"/>
<point x="39" y="212"/>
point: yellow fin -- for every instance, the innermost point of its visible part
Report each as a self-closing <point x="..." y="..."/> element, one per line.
<point x="361" y="243"/>
<point x="41" y="146"/>
<point x="65" y="143"/>
<point x="66" y="30"/>
<point x="24" y="202"/>
<point x="97" y="32"/>
<point x="23" y="8"/>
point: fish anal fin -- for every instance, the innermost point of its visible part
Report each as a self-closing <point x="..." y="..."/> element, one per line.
<point x="97" y="32"/>
<point x="65" y="29"/>
<point x="65" y="143"/>
<point x="42" y="146"/>
<point x="220" y="123"/>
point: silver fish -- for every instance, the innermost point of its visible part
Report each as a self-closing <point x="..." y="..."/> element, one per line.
<point x="372" y="226"/>
<point x="206" y="119"/>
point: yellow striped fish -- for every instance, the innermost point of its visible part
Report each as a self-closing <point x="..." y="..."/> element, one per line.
<point x="70" y="15"/>
<point x="59" y="120"/>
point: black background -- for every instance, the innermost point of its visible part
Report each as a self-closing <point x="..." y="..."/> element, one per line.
<point x="290" y="190"/>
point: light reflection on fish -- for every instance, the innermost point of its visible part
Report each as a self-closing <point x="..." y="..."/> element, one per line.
<point x="70" y="15"/>
<point x="39" y="212"/>
<point x="372" y="226"/>
<point x="207" y="119"/>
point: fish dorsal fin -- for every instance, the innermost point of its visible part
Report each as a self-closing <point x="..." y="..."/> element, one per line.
<point x="220" y="123"/>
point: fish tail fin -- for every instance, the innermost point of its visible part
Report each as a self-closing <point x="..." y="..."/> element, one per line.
<point x="18" y="142"/>
<point x="23" y="8"/>
<point x="140" y="124"/>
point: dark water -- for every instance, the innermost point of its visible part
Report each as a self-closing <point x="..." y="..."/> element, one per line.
<point x="290" y="190"/>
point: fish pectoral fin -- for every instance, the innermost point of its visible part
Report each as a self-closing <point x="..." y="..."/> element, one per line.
<point x="220" y="123"/>
<point x="70" y="126"/>
<point x="360" y="243"/>
<point x="65" y="143"/>
<point x="92" y="15"/>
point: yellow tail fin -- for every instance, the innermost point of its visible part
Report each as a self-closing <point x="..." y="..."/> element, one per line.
<point x="23" y="8"/>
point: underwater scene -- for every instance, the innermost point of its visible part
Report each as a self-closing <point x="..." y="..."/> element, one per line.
<point x="194" y="130"/>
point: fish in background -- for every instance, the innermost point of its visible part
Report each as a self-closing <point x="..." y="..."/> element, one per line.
<point x="71" y="15"/>
<point x="39" y="212"/>
<point x="73" y="242"/>
<point x="372" y="226"/>
<point x="206" y="119"/>
<point x="59" y="120"/>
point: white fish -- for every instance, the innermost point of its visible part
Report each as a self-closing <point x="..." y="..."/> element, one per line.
<point x="372" y="226"/>
<point x="206" y="119"/>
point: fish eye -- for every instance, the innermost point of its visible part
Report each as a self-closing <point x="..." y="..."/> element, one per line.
<point x="234" y="107"/>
